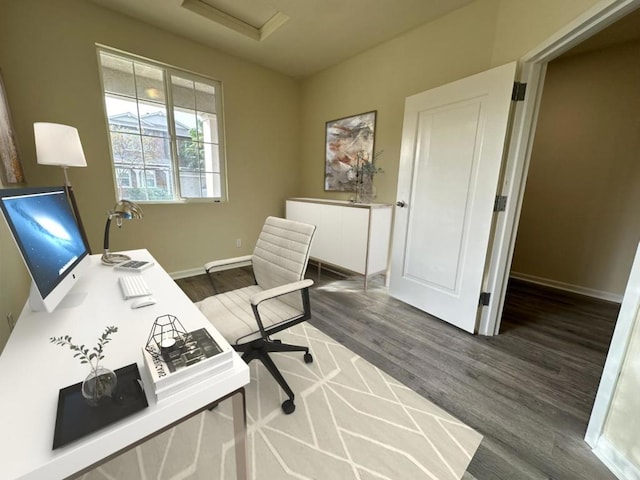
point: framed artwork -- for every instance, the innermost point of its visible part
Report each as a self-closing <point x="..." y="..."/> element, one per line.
<point x="10" y="166"/>
<point x="349" y="145"/>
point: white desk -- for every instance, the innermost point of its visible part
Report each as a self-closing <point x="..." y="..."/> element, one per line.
<point x="33" y="370"/>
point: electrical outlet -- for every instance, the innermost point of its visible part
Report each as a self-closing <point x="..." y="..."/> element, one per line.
<point x="238" y="242"/>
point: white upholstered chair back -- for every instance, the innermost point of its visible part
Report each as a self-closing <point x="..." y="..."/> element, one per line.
<point x="281" y="253"/>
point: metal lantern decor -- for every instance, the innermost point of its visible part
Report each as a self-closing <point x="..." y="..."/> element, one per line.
<point x="167" y="338"/>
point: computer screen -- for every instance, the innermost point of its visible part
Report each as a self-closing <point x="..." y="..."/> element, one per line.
<point x="46" y="232"/>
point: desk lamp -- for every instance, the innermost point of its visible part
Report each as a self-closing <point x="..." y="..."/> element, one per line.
<point x="124" y="209"/>
<point x="60" y="145"/>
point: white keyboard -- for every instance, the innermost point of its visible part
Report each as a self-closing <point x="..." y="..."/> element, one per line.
<point x="133" y="286"/>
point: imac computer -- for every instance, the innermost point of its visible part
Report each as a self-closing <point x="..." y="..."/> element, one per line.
<point x="50" y="242"/>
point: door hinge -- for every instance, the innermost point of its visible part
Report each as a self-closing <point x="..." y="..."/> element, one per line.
<point x="500" y="203"/>
<point x="484" y="298"/>
<point x="519" y="90"/>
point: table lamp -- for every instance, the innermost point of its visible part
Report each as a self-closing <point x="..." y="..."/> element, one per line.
<point x="60" y="145"/>
<point x="124" y="209"/>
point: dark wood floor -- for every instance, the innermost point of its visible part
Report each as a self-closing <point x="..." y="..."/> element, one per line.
<point x="529" y="390"/>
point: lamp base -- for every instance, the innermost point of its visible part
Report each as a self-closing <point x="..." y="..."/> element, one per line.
<point x="111" y="259"/>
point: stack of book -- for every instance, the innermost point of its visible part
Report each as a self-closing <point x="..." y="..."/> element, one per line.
<point x="185" y="363"/>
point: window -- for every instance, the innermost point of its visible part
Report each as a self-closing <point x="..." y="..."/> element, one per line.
<point x="123" y="177"/>
<point x="165" y="130"/>
<point x="150" y="179"/>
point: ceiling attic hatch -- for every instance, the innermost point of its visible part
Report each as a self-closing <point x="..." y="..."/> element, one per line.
<point x="257" y="24"/>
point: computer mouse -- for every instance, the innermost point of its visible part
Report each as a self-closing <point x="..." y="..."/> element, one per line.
<point x="143" y="302"/>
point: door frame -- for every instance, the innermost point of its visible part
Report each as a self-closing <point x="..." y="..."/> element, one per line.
<point x="533" y="67"/>
<point x="611" y="372"/>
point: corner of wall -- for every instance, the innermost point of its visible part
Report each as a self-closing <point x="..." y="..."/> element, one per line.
<point x="521" y="25"/>
<point x="14" y="283"/>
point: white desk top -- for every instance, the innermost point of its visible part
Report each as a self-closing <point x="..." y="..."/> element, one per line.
<point x="33" y="370"/>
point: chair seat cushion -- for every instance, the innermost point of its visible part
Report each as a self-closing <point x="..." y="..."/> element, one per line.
<point x="231" y="314"/>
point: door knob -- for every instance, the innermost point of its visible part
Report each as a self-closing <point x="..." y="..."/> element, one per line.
<point x="401" y="204"/>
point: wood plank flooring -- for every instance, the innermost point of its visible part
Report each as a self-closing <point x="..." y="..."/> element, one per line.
<point x="529" y="390"/>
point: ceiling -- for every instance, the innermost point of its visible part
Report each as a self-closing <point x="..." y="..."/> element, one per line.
<point x="294" y="37"/>
<point x="627" y="29"/>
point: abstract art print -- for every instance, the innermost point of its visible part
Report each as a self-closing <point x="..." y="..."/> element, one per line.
<point x="349" y="144"/>
<point x="10" y="167"/>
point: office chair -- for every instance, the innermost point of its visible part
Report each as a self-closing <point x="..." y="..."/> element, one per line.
<point x="249" y="316"/>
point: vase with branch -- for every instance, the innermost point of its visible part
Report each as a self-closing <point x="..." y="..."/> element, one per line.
<point x="101" y="381"/>
<point x="366" y="169"/>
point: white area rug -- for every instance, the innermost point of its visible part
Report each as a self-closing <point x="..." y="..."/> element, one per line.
<point x="352" y="421"/>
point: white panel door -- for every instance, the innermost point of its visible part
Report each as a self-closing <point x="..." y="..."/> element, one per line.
<point x="452" y="148"/>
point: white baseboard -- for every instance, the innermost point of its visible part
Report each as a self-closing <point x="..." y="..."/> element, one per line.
<point x="199" y="271"/>
<point x="590" y="292"/>
<point x="619" y="465"/>
<point x="192" y="272"/>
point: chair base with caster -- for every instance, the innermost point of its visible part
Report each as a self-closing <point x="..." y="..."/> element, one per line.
<point x="259" y="350"/>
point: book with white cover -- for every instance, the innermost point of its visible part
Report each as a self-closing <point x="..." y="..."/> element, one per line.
<point x="197" y="354"/>
<point x="194" y="379"/>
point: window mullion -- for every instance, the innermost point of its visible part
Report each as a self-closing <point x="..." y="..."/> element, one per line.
<point x="172" y="134"/>
<point x="144" y="163"/>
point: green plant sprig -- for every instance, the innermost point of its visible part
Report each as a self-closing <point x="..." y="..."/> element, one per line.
<point x="367" y="167"/>
<point x="82" y="352"/>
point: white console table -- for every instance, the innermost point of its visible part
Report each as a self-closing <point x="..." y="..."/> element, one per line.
<point x="32" y="371"/>
<point x="352" y="236"/>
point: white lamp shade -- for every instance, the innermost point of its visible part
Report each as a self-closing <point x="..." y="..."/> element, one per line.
<point x="58" y="144"/>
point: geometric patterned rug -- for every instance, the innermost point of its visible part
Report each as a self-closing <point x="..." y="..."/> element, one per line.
<point x="352" y="421"/>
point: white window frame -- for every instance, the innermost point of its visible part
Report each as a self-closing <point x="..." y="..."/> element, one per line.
<point x="175" y="170"/>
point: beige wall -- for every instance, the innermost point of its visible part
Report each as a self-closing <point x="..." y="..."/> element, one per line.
<point x="14" y="281"/>
<point x="49" y="65"/>
<point x="453" y="47"/>
<point x="522" y="25"/>
<point x="579" y="223"/>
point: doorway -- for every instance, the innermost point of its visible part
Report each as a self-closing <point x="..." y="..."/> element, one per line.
<point x="583" y="30"/>
<point x="578" y="228"/>
<point x="598" y="256"/>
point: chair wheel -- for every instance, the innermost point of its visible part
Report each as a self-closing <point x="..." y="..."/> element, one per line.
<point x="308" y="358"/>
<point x="288" y="407"/>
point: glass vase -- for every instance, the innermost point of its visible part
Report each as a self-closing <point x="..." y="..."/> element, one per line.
<point x="100" y="384"/>
<point x="365" y="192"/>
